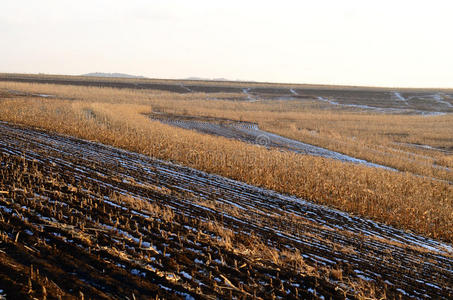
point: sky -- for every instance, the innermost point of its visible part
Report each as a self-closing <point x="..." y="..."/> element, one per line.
<point x="379" y="43"/>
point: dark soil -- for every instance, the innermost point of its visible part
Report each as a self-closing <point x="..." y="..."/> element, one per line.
<point x="66" y="233"/>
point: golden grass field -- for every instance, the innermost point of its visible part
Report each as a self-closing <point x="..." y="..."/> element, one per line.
<point x="417" y="199"/>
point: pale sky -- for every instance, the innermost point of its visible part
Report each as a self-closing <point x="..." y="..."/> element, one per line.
<point x="380" y="43"/>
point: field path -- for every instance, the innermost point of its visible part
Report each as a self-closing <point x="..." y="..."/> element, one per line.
<point x="250" y="132"/>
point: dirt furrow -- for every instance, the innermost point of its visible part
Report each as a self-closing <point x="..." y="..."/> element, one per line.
<point x="147" y="227"/>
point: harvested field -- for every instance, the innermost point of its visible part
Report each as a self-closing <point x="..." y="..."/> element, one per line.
<point x="107" y="223"/>
<point x="213" y="150"/>
<point x="377" y="100"/>
<point x="120" y="117"/>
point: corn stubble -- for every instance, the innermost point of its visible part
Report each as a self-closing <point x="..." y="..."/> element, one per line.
<point x="109" y="223"/>
<point x="119" y="118"/>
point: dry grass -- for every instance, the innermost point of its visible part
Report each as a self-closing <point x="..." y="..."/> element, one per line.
<point x="377" y="138"/>
<point x="250" y="246"/>
<point x="118" y="118"/>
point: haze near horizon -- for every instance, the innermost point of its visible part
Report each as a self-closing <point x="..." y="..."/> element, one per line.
<point x="385" y="43"/>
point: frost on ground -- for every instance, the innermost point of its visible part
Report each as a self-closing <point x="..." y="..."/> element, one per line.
<point x="251" y="133"/>
<point x="83" y="219"/>
<point x="294" y="92"/>
<point x="249" y="96"/>
<point x="401" y="98"/>
<point x="440" y="99"/>
<point x="386" y="110"/>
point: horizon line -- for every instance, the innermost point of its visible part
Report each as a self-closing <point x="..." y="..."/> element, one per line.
<point x="227" y="80"/>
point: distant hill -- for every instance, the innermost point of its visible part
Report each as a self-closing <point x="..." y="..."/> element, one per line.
<point x="114" y="75"/>
<point x="207" y="79"/>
